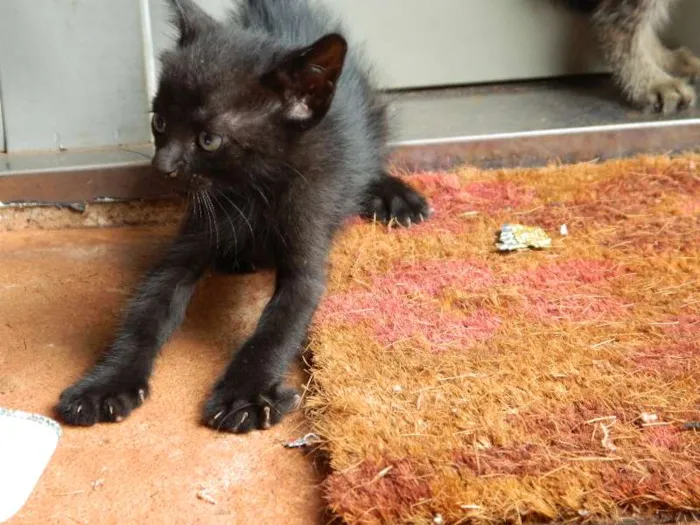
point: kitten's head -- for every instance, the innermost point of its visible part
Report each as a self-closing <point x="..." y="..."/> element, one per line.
<point x="230" y="100"/>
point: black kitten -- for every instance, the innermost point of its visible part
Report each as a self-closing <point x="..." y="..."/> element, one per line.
<point x="277" y="136"/>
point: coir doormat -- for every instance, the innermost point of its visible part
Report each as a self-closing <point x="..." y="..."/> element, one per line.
<point x="453" y="383"/>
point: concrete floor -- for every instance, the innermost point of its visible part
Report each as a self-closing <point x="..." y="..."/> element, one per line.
<point x="60" y="295"/>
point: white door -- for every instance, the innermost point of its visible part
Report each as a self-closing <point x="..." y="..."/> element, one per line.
<point x="419" y="43"/>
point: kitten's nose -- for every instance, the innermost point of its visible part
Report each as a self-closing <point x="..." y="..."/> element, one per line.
<point x="168" y="160"/>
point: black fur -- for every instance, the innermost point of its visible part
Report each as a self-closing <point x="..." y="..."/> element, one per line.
<point x="276" y="141"/>
<point x="583" y="6"/>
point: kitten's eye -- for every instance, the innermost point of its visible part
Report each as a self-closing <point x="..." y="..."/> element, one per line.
<point x="158" y="123"/>
<point x="209" y="141"/>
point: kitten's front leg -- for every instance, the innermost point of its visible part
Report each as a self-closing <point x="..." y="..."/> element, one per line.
<point x="251" y="394"/>
<point x="118" y="383"/>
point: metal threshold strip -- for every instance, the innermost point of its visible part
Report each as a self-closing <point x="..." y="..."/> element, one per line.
<point x="566" y="145"/>
<point x="511" y="125"/>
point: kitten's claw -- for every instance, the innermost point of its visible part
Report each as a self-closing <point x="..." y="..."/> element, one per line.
<point x="213" y="420"/>
<point x="390" y="199"/>
<point x="142" y="395"/>
<point x="266" y="418"/>
<point x="243" y="418"/>
<point x="248" y="412"/>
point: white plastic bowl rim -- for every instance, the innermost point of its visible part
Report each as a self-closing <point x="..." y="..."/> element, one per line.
<point x="35" y="418"/>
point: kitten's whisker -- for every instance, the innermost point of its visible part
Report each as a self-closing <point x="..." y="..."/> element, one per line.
<point x="211" y="216"/>
<point x="136" y="152"/>
<point x="228" y="217"/>
<point x="199" y="202"/>
<point x="250" y="226"/>
<point x="204" y="218"/>
<point x="295" y="170"/>
<point x="200" y="207"/>
<point x="214" y="220"/>
<point x="262" y="194"/>
<point x="194" y="208"/>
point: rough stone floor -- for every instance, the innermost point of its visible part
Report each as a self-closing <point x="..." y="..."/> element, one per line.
<point x="60" y="296"/>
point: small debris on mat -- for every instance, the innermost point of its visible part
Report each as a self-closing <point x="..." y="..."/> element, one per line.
<point x="563" y="230"/>
<point x="648" y="418"/>
<point x="397" y="389"/>
<point x="204" y="496"/>
<point x="382" y="473"/>
<point x="606" y="442"/>
<point x="438" y="519"/>
<point x="306" y="441"/>
<point x="78" y="207"/>
<point x="97" y="483"/>
<point x="482" y="443"/>
<point x="692" y="425"/>
<point x="519" y="237"/>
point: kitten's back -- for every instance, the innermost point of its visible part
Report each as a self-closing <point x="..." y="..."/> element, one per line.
<point x="298" y="23"/>
<point x="292" y="22"/>
<point x="584" y="6"/>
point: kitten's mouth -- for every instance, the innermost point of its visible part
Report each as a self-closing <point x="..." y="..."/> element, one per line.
<point x="193" y="179"/>
<point x="184" y="185"/>
<point x="198" y="182"/>
<point x="176" y="183"/>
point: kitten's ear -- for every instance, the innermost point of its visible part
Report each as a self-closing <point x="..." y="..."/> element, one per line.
<point x="306" y="80"/>
<point x="190" y="20"/>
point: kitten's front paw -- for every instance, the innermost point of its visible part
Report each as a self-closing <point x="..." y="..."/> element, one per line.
<point x="670" y="96"/>
<point x="90" y="401"/>
<point x="229" y="409"/>
<point x="391" y="199"/>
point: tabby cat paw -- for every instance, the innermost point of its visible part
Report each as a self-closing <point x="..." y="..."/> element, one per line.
<point x="670" y="96"/>
<point x="685" y="65"/>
